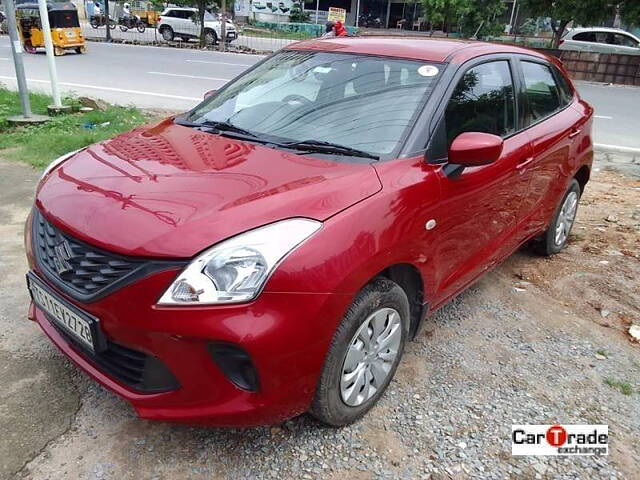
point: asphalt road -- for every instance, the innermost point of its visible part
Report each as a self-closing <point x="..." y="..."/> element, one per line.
<point x="176" y="79"/>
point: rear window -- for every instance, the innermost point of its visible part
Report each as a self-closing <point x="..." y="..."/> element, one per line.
<point x="542" y="92"/>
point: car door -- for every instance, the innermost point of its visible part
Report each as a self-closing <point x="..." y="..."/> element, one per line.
<point x="553" y="127"/>
<point x="478" y="213"/>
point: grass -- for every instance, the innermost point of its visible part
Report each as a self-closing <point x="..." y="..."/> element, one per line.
<point x="253" y="32"/>
<point x="624" y="387"/>
<point x="602" y="352"/>
<point x="40" y="144"/>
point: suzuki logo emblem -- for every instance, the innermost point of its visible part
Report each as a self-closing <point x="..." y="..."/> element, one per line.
<point x="62" y="256"/>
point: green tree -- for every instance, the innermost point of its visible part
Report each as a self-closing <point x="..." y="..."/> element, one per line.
<point x="562" y="12"/>
<point x="470" y="16"/>
<point x="630" y="12"/>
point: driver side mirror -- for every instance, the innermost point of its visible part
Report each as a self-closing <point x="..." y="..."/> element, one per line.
<point x="210" y="93"/>
<point x="471" y="149"/>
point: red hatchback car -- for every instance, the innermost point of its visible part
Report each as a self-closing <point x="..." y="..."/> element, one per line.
<point x="271" y="251"/>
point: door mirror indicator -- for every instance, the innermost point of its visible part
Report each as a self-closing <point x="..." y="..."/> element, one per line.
<point x="471" y="149"/>
<point x="210" y="93"/>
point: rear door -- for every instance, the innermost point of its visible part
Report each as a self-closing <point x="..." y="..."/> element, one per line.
<point x="553" y="128"/>
<point x="478" y="213"/>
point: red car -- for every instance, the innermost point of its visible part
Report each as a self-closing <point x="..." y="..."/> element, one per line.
<point x="271" y="251"/>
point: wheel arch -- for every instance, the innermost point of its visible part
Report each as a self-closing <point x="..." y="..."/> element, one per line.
<point x="582" y="176"/>
<point x="409" y="279"/>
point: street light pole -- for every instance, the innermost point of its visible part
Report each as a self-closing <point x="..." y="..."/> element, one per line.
<point x="107" y="20"/>
<point x="51" y="61"/>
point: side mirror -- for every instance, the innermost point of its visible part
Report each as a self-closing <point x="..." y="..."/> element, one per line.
<point x="471" y="149"/>
<point x="209" y="93"/>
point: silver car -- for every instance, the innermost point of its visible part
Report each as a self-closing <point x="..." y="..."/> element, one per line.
<point x="601" y="40"/>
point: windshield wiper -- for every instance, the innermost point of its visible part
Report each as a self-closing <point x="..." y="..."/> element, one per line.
<point x="227" y="127"/>
<point x="328" y="147"/>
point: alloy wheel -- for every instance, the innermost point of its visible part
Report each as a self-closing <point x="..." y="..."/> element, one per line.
<point x="370" y="356"/>
<point x="566" y="218"/>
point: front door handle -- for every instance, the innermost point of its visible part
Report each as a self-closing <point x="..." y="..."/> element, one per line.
<point x="575" y="132"/>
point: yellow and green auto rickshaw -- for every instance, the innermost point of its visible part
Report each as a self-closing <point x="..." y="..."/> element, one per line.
<point x="63" y="20"/>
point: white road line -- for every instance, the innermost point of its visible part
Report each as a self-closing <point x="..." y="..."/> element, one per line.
<point x="190" y="76"/>
<point x="109" y="89"/>
<point x="603" y="117"/>
<point x="617" y="148"/>
<point x="221" y="63"/>
<point x="3" y="58"/>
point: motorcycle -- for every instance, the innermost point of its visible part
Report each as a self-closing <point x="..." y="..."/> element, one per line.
<point x="369" y="21"/>
<point x="97" y="21"/>
<point x="127" y="22"/>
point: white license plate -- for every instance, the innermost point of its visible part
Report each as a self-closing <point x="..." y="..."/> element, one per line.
<point x="62" y="315"/>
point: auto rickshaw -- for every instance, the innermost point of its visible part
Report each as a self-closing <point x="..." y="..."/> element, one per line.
<point x="63" y="20"/>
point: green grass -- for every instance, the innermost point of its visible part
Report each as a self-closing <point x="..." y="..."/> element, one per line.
<point x="250" y="32"/>
<point x="602" y="352"/>
<point x="624" y="387"/>
<point x="40" y="144"/>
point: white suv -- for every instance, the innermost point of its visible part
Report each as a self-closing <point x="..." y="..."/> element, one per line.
<point x="601" y="40"/>
<point x="183" y="23"/>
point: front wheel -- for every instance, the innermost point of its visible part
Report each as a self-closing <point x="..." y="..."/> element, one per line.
<point x="210" y="37"/>
<point x="140" y="27"/>
<point x="112" y="24"/>
<point x="364" y="354"/>
<point x="167" y="34"/>
<point x="94" y="22"/>
<point x="556" y="236"/>
<point x="123" y="28"/>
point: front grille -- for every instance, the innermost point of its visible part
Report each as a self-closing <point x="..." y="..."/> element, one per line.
<point x="84" y="272"/>
<point x="139" y="371"/>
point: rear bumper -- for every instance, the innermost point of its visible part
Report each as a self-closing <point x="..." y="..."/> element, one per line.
<point x="285" y="335"/>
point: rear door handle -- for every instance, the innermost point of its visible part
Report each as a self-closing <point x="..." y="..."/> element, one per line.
<point x="522" y="166"/>
<point x="575" y="132"/>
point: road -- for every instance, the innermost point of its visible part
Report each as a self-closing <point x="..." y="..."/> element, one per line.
<point x="176" y="79"/>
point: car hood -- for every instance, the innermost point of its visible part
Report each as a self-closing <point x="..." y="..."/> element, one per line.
<point x="172" y="191"/>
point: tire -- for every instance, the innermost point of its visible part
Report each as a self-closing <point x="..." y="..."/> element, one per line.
<point x="140" y="27"/>
<point x="94" y="23"/>
<point x="123" y="28"/>
<point x="167" y="34"/>
<point x="338" y="400"/>
<point x="553" y="240"/>
<point x="112" y="24"/>
<point x="210" y="37"/>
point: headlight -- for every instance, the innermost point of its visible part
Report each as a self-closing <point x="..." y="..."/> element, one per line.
<point x="235" y="270"/>
<point x="57" y="162"/>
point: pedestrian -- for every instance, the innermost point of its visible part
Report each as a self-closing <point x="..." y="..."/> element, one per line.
<point x="335" y="29"/>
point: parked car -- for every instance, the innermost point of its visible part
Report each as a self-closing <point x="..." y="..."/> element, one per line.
<point x="601" y="40"/>
<point x="184" y="23"/>
<point x="272" y="251"/>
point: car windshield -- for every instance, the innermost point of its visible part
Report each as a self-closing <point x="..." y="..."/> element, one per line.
<point x="208" y="17"/>
<point x="359" y="102"/>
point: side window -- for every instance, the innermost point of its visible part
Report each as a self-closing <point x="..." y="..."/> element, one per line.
<point x="625" y="41"/>
<point x="543" y="96"/>
<point x="483" y="101"/>
<point x="585" y="37"/>
<point x="566" y="93"/>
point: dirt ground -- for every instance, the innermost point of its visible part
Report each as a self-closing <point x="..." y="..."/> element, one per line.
<point x="538" y="340"/>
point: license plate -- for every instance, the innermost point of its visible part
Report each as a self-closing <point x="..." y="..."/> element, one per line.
<point x="70" y="34"/>
<point x="67" y="318"/>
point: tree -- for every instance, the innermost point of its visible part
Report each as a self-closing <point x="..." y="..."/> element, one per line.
<point x="470" y="16"/>
<point x="562" y="12"/>
<point x="630" y="12"/>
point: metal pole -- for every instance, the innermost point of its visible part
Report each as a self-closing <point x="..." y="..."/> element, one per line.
<point x="16" y="49"/>
<point x="107" y="21"/>
<point x="317" y="10"/>
<point x="223" y="27"/>
<point x="357" y="13"/>
<point x="48" y="45"/>
<point x="513" y="11"/>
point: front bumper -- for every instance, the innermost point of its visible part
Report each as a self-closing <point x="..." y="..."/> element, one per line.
<point x="285" y="334"/>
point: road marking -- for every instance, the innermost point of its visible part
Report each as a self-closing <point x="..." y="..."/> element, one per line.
<point x="617" y="148"/>
<point x="110" y="89"/>
<point x="603" y="117"/>
<point x="222" y="63"/>
<point x="3" y="58"/>
<point x="190" y="76"/>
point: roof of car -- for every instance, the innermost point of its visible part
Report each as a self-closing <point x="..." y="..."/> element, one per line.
<point x="573" y="31"/>
<point x="418" y="48"/>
